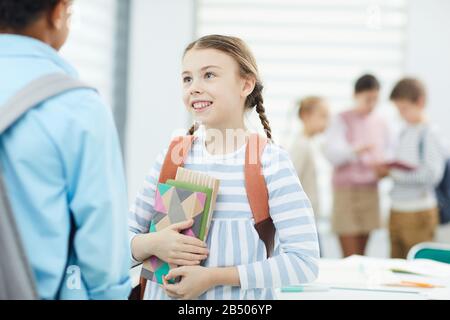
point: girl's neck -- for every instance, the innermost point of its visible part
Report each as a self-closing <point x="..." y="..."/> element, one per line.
<point x="361" y="112"/>
<point x="421" y="119"/>
<point x="308" y="132"/>
<point x="225" y="139"/>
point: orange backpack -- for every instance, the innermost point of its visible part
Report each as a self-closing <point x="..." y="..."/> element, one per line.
<point x="255" y="185"/>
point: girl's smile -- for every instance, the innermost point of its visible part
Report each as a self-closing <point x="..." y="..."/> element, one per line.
<point x="201" y="105"/>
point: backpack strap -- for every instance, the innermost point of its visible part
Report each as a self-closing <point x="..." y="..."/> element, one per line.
<point x="175" y="157"/>
<point x="422" y="138"/>
<point x="17" y="280"/>
<point x="37" y="91"/>
<point x="16" y="275"/>
<point x="257" y="193"/>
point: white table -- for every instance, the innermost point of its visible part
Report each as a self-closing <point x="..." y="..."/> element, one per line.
<point x="359" y="278"/>
<point x="349" y="295"/>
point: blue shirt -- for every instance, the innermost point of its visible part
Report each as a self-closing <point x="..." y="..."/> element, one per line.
<point x="63" y="158"/>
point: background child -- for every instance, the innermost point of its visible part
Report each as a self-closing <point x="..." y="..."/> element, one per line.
<point x="357" y="140"/>
<point x="220" y="83"/>
<point x="306" y="150"/>
<point x="414" y="214"/>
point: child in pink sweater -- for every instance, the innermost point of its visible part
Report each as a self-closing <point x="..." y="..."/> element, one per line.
<point x="356" y="142"/>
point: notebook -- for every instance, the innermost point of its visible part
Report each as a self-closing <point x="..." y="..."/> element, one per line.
<point x="196" y="188"/>
<point x="204" y="180"/>
<point x="173" y="205"/>
<point x="192" y="195"/>
<point x="399" y="165"/>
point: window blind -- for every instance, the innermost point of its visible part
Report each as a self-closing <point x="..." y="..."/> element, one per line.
<point x="318" y="47"/>
<point x="98" y="48"/>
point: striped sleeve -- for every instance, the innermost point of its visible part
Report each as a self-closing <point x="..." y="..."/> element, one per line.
<point x="141" y="211"/>
<point x="431" y="169"/>
<point x="296" y="261"/>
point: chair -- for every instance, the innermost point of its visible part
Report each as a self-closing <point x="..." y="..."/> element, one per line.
<point x="432" y="251"/>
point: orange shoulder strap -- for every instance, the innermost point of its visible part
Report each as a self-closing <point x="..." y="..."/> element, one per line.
<point x="175" y="157"/>
<point x="255" y="184"/>
<point x="257" y="193"/>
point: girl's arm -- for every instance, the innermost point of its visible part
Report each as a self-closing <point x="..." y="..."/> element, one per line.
<point x="197" y="280"/>
<point x="336" y="148"/>
<point x="227" y="276"/>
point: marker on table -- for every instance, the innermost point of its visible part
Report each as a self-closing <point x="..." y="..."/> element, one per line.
<point x="414" y="284"/>
<point x="305" y="289"/>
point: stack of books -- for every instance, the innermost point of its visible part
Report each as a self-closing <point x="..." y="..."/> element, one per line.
<point x="191" y="195"/>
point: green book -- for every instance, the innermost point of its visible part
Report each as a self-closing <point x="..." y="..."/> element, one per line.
<point x="196" y="188"/>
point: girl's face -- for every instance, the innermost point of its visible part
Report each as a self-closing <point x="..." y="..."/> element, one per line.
<point x="213" y="90"/>
<point x="366" y="101"/>
<point x="316" y="121"/>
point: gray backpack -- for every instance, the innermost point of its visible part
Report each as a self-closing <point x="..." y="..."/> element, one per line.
<point x="16" y="278"/>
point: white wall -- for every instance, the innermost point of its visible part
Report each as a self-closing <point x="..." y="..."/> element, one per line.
<point x="160" y="30"/>
<point x="428" y="54"/>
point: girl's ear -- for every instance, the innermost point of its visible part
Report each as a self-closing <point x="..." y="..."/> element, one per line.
<point x="248" y="85"/>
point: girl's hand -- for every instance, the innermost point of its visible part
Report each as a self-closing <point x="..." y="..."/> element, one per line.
<point x="179" y="249"/>
<point x="194" y="282"/>
<point x="381" y="170"/>
<point x="360" y="150"/>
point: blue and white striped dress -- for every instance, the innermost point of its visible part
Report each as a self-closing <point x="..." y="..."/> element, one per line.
<point x="232" y="238"/>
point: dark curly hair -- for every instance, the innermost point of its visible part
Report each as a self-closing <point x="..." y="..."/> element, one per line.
<point x="18" y="14"/>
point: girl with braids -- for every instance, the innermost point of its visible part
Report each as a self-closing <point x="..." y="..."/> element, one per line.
<point x="221" y="83"/>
